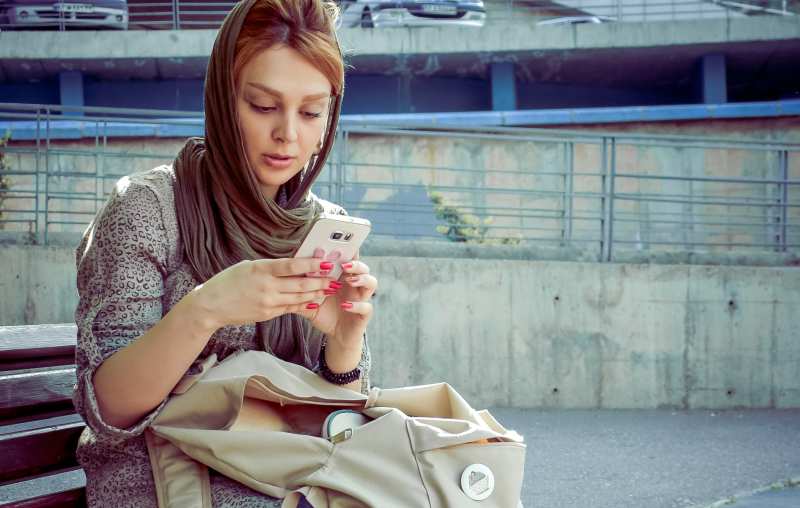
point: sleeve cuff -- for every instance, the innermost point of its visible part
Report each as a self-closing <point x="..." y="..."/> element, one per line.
<point x="94" y="419"/>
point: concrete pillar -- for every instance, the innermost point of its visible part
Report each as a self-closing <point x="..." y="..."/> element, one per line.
<point x="405" y="103"/>
<point x="711" y="80"/>
<point x="70" y="84"/>
<point x="504" y="86"/>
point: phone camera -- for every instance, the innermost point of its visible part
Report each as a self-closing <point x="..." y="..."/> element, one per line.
<point x="337" y="235"/>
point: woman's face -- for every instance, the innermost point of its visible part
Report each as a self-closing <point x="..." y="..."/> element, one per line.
<point x="283" y="103"/>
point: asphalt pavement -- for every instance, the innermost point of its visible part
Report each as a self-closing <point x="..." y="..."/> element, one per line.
<point x="659" y="458"/>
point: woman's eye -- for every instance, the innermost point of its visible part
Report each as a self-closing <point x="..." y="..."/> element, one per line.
<point x="267" y="109"/>
<point x="262" y="109"/>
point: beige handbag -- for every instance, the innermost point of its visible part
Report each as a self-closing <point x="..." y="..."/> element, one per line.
<point x="257" y="419"/>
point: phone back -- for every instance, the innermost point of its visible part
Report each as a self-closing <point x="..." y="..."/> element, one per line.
<point x="334" y="238"/>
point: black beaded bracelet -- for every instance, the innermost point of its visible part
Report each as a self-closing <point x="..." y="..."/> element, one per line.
<point x="334" y="377"/>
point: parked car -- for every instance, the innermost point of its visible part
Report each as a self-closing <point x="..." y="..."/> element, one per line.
<point x="88" y="13"/>
<point x="376" y="13"/>
<point x="575" y="20"/>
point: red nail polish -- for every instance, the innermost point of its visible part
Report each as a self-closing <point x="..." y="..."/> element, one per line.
<point x="347" y="266"/>
<point x="330" y="292"/>
<point x="312" y="306"/>
<point x="335" y="285"/>
<point x="326" y="265"/>
<point x="347" y="305"/>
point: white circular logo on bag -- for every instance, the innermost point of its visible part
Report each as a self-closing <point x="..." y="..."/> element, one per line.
<point x="477" y="482"/>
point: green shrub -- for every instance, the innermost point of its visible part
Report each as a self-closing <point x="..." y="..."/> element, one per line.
<point x="5" y="181"/>
<point x="464" y="227"/>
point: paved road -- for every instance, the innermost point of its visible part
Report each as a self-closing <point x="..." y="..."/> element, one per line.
<point x="657" y="458"/>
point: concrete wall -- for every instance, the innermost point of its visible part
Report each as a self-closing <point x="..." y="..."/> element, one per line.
<point x="541" y="333"/>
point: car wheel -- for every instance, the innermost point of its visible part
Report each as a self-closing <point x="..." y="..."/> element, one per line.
<point x="366" y="19"/>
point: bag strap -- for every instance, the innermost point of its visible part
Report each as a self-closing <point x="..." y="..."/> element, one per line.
<point x="188" y="486"/>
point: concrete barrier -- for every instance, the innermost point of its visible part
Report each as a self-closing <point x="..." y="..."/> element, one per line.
<point x="541" y="333"/>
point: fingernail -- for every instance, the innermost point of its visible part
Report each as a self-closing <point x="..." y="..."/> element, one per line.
<point x="347" y="305"/>
<point x="312" y="306"/>
<point x="330" y="291"/>
<point x="347" y="266"/>
<point x="335" y="285"/>
<point x="326" y="265"/>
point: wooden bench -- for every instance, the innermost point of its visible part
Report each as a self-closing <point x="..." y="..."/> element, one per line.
<point x="39" y="428"/>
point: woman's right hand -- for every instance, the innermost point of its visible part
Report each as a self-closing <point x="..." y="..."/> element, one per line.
<point x="259" y="290"/>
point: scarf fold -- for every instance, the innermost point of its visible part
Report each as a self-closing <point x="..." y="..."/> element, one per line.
<point x="222" y="216"/>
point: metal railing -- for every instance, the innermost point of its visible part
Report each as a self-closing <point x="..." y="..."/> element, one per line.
<point x="602" y="193"/>
<point x="196" y="14"/>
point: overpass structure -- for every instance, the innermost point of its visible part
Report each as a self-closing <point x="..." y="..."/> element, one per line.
<point x="500" y="67"/>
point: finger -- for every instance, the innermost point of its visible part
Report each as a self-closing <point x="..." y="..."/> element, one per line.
<point x="294" y="284"/>
<point x="299" y="298"/>
<point x="302" y="309"/>
<point x="287" y="267"/>
<point x="365" y="281"/>
<point x="318" y="254"/>
<point x="355" y="267"/>
<point x="360" y="308"/>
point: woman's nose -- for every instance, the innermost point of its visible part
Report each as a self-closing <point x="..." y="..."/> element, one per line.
<point x="286" y="131"/>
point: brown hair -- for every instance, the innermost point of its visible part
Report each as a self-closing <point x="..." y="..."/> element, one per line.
<point x="306" y="26"/>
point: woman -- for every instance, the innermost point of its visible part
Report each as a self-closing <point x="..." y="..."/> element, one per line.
<point x="194" y="259"/>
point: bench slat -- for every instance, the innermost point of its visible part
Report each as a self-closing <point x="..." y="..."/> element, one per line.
<point x="32" y="452"/>
<point x="25" y="394"/>
<point x="73" y="498"/>
<point x="64" y="489"/>
<point x="37" y="345"/>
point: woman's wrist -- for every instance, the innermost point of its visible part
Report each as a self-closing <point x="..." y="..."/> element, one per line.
<point x="342" y="356"/>
<point x="201" y="314"/>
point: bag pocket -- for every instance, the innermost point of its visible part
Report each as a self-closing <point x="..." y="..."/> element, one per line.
<point x="480" y="470"/>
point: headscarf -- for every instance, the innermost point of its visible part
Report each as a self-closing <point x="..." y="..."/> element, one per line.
<point x="223" y="217"/>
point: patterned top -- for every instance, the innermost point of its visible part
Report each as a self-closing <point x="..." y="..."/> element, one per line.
<point x="131" y="271"/>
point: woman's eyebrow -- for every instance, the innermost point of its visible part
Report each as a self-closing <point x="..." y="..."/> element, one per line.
<point x="275" y="93"/>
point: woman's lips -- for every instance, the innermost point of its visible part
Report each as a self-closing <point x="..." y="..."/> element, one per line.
<point x="277" y="162"/>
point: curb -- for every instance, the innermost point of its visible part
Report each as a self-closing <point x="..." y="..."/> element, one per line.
<point x="729" y="501"/>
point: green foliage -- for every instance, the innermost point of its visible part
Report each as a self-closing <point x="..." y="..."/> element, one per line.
<point x="464" y="227"/>
<point x="5" y="181"/>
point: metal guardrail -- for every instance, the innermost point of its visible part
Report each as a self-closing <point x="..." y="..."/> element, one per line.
<point x="197" y="14"/>
<point x="598" y="192"/>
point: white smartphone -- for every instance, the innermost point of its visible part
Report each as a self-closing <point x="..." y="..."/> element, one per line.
<point x="334" y="238"/>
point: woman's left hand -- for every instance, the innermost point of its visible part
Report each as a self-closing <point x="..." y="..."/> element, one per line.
<point x="344" y="315"/>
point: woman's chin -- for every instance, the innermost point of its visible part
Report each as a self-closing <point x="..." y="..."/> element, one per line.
<point x="271" y="180"/>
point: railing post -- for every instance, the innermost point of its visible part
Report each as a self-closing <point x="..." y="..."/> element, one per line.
<point x="607" y="221"/>
<point x="176" y="18"/>
<point x="784" y="199"/>
<point x="340" y="174"/>
<point x="36" y="174"/>
<point x="603" y="197"/>
<point x="47" y="174"/>
<point x="61" y="25"/>
<point x="569" y="180"/>
<point x="611" y="190"/>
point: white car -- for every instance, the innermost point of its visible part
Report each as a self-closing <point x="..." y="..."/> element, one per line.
<point x="22" y="14"/>
<point x="376" y="13"/>
<point x="575" y="20"/>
